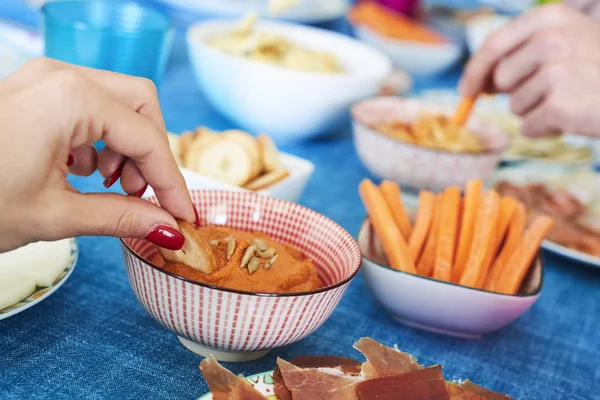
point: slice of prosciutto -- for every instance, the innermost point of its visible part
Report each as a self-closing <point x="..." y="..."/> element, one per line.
<point x="224" y="385"/>
<point x="423" y="384"/>
<point x="469" y="391"/>
<point x="384" y="361"/>
<point x="343" y="364"/>
<point x="318" y="383"/>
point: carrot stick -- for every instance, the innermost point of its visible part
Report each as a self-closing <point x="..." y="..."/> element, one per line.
<point x="393" y="243"/>
<point x="464" y="110"/>
<point x="487" y="216"/>
<point x="427" y="260"/>
<point x="469" y="216"/>
<point x="393" y="198"/>
<point x="447" y="231"/>
<point x="507" y="208"/>
<point x="520" y="261"/>
<point x="422" y="223"/>
<point x="515" y="236"/>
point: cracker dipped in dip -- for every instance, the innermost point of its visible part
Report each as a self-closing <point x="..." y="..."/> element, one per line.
<point x="247" y="261"/>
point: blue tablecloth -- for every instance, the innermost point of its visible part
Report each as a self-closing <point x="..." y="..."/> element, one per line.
<point x="92" y="339"/>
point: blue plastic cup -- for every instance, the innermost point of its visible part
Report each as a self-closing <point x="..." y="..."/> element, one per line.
<point x="115" y="35"/>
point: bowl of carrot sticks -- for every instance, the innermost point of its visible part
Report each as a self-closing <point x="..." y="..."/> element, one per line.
<point x="462" y="263"/>
<point x="419" y="145"/>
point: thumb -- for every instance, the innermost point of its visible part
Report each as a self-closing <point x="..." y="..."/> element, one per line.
<point x="111" y="214"/>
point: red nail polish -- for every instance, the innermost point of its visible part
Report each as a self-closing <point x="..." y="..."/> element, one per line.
<point x="70" y="161"/>
<point x="108" y="182"/>
<point x="197" y="216"/>
<point x="167" y="237"/>
<point x="141" y="192"/>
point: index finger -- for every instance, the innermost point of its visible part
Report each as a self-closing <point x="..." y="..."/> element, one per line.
<point x="505" y="40"/>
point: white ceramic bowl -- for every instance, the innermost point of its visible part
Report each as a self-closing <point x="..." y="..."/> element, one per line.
<point x="242" y="326"/>
<point x="437" y="306"/>
<point x="290" y="188"/>
<point x="414" y="166"/>
<point x="419" y="59"/>
<point x="287" y="104"/>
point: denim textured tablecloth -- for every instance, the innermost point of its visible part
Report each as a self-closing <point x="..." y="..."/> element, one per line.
<point x="93" y="340"/>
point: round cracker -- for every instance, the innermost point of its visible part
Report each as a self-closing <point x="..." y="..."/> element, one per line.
<point x="269" y="153"/>
<point x="197" y="146"/>
<point x="250" y="143"/>
<point x="267" y="180"/>
<point x="225" y="160"/>
<point x="195" y="253"/>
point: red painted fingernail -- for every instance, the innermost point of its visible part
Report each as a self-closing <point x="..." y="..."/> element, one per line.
<point x="108" y="182"/>
<point x="167" y="237"/>
<point x="197" y="216"/>
<point x="142" y="191"/>
<point x="70" y="161"/>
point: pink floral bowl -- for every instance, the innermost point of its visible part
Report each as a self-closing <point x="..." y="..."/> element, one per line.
<point x="414" y="166"/>
<point x="237" y="326"/>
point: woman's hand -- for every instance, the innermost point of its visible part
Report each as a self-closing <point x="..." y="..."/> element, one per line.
<point x="51" y="113"/>
<point x="548" y="60"/>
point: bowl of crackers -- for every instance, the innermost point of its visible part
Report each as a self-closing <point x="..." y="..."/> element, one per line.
<point x="295" y="82"/>
<point x="235" y="160"/>
<point x="416" y="144"/>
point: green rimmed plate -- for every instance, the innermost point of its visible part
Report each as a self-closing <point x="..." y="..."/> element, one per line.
<point x="262" y="382"/>
<point x="42" y="293"/>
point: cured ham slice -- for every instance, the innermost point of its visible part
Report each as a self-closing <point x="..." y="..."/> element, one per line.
<point x="423" y="384"/>
<point x="318" y="384"/>
<point x="343" y="364"/>
<point x="469" y="391"/>
<point x="384" y="361"/>
<point x="224" y="385"/>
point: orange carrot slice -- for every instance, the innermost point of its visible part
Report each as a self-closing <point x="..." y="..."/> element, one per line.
<point x="515" y="236"/>
<point x="507" y="208"/>
<point x="393" y="242"/>
<point x="464" y="110"/>
<point x="520" y="261"/>
<point x="447" y="232"/>
<point x="422" y="223"/>
<point x="393" y="198"/>
<point x="467" y="226"/>
<point x="391" y="24"/>
<point x="487" y="216"/>
<point x="427" y="260"/>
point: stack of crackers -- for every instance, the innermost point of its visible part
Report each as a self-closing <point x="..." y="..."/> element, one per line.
<point x="232" y="156"/>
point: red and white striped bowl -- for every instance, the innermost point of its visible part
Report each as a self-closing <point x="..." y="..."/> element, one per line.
<point x="418" y="167"/>
<point x="242" y="326"/>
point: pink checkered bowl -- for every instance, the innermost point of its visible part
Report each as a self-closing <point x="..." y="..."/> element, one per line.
<point x="233" y="325"/>
<point x="414" y="166"/>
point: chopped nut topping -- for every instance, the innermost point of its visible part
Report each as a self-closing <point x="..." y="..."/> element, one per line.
<point x="213" y="242"/>
<point x="230" y="248"/>
<point x="268" y="253"/>
<point x="270" y="263"/>
<point x="260" y="244"/>
<point x="253" y="265"/>
<point x="247" y="255"/>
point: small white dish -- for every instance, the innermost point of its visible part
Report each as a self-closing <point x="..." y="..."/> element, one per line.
<point x="442" y="307"/>
<point x="39" y="269"/>
<point x="287" y="104"/>
<point x="419" y="59"/>
<point x="290" y="188"/>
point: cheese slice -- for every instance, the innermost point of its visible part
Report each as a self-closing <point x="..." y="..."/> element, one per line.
<point x="42" y="261"/>
<point x="14" y="288"/>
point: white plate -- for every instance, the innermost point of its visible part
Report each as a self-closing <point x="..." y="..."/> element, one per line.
<point x="307" y="11"/>
<point x="262" y="382"/>
<point x="32" y="253"/>
<point x="522" y="176"/>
